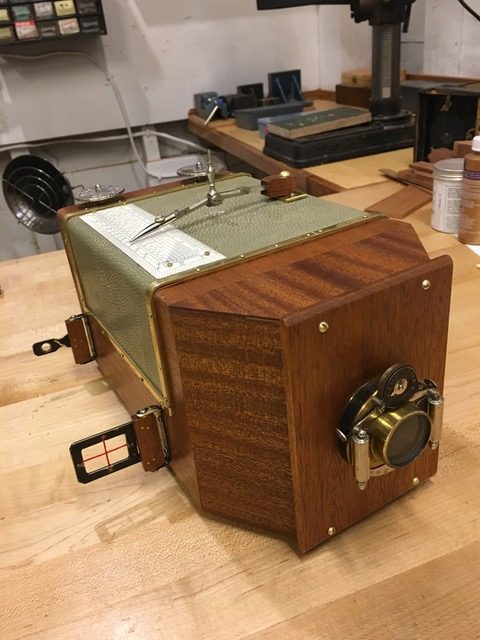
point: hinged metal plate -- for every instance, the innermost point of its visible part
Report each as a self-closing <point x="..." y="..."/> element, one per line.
<point x="105" y="453"/>
<point x="51" y="345"/>
<point x="142" y="440"/>
<point x="78" y="338"/>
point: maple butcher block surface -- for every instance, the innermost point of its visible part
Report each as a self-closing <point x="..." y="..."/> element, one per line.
<point x="130" y="556"/>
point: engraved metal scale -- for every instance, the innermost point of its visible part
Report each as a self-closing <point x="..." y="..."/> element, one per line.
<point x="389" y="421"/>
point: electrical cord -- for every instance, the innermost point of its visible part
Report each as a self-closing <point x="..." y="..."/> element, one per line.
<point x="469" y="9"/>
<point x="96" y="139"/>
<point x="121" y="105"/>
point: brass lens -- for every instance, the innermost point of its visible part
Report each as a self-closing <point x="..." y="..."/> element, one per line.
<point x="399" y="436"/>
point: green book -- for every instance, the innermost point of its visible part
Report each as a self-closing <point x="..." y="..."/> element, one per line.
<point x="309" y="123"/>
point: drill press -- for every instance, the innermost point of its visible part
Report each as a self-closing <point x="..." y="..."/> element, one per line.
<point x="391" y="127"/>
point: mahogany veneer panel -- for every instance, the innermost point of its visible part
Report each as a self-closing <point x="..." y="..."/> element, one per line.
<point x="302" y="275"/>
<point x="394" y="321"/>
<point x="263" y="390"/>
<point x="232" y="378"/>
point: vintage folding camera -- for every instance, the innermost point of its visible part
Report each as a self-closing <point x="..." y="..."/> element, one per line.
<point x="283" y="355"/>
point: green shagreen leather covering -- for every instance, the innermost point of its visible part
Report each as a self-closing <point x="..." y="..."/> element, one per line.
<point x="115" y="287"/>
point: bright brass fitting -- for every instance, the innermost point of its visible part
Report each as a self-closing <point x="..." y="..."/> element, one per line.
<point x="398" y="436"/>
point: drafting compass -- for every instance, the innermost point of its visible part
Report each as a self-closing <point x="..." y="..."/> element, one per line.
<point x="281" y="186"/>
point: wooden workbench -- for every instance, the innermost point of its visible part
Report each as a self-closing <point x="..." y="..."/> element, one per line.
<point x="129" y="557"/>
<point x="317" y="180"/>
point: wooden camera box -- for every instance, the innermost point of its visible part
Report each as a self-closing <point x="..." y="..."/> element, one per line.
<point x="283" y="356"/>
<point x="445" y="114"/>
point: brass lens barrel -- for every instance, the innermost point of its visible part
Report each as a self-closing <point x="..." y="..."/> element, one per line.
<point x="398" y="436"/>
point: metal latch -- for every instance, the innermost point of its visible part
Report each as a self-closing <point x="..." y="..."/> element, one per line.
<point x="79" y="338"/>
<point x="144" y="440"/>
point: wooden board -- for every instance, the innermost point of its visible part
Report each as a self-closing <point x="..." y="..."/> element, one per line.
<point x="422" y="181"/>
<point x="401" y="203"/>
<point x="462" y="147"/>
<point x="363" y="77"/>
<point x="310" y="123"/>
<point x="355" y="95"/>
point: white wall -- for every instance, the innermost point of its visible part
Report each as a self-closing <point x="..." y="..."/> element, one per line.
<point x="452" y="39"/>
<point x="160" y="53"/>
<point x="412" y="52"/>
<point x="343" y="45"/>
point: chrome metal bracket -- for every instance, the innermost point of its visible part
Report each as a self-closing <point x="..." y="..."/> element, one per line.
<point x="435" y="411"/>
<point x="51" y="345"/>
<point x="78" y="338"/>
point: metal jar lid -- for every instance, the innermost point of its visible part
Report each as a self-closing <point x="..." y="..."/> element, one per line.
<point x="99" y="193"/>
<point x="451" y="168"/>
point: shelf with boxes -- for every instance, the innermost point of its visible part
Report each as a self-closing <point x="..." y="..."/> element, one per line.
<point x="39" y="20"/>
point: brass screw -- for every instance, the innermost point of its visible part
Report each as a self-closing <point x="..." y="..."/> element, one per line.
<point x="416" y="481"/>
<point x="331" y="531"/>
<point x="323" y="327"/>
<point x="426" y="284"/>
